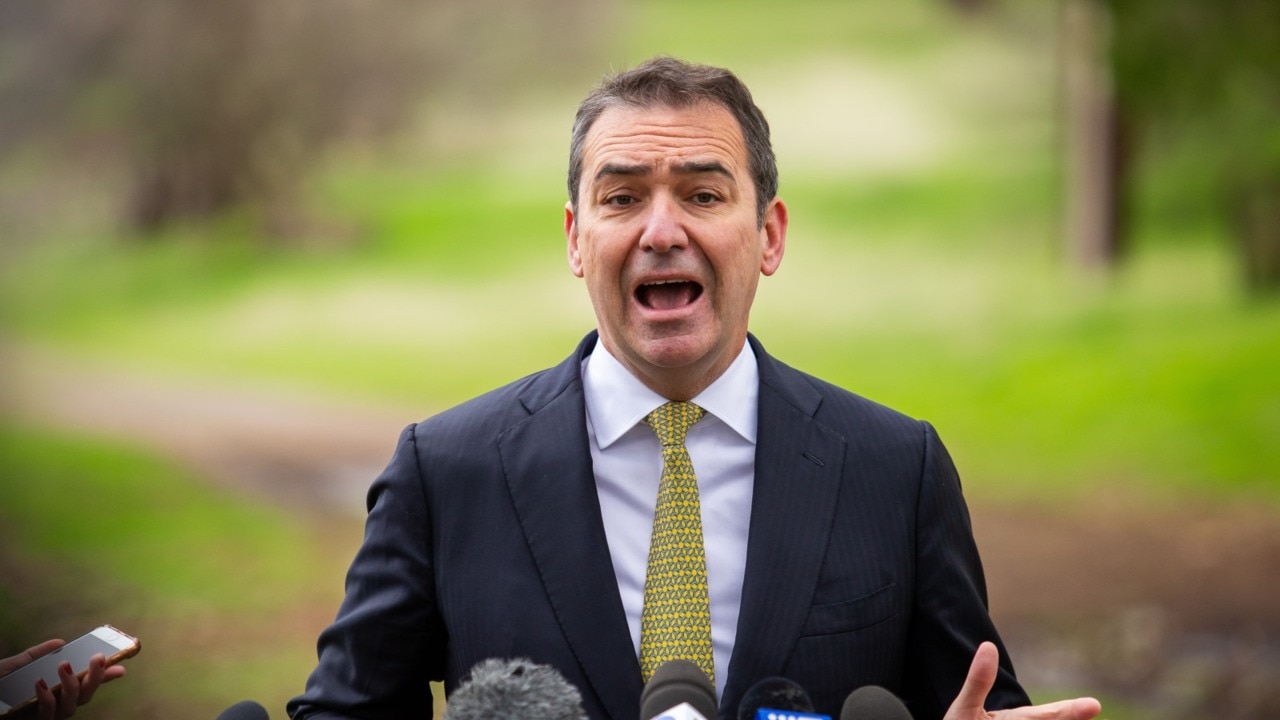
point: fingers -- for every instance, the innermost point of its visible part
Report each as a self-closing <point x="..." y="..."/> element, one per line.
<point x="43" y="648"/>
<point x="69" y="697"/>
<point x="93" y="678"/>
<point x="968" y="704"/>
<point x="73" y="691"/>
<point x="45" y="701"/>
<point x="1078" y="709"/>
<point x="982" y="676"/>
<point x="10" y="664"/>
<point x="1085" y="708"/>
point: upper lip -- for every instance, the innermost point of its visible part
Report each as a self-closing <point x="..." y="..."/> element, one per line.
<point x="667" y="278"/>
<point x="664" y="281"/>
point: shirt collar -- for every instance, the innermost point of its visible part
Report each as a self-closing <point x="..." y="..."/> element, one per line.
<point x="616" y="400"/>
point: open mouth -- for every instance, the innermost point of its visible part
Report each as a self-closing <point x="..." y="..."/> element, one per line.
<point x="668" y="294"/>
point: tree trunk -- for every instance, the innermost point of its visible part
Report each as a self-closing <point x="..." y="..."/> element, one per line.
<point x="1093" y="138"/>
<point x="1257" y="225"/>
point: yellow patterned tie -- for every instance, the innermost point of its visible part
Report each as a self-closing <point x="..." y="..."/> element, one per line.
<point x="676" y="622"/>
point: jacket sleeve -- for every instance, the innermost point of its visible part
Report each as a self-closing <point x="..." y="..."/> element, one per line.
<point x="387" y="642"/>
<point x="950" y="618"/>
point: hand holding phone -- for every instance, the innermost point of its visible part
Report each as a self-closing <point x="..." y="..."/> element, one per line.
<point x="35" y="675"/>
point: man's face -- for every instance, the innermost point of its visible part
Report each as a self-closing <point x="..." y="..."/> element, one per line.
<point x="666" y="237"/>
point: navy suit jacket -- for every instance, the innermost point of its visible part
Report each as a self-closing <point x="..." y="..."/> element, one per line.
<point x="484" y="539"/>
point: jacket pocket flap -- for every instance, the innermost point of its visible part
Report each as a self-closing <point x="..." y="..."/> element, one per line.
<point x="850" y="615"/>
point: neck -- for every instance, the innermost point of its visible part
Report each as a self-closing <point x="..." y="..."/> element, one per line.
<point x="678" y="383"/>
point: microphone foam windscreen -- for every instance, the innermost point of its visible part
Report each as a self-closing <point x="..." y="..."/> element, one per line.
<point x="675" y="682"/>
<point x="775" y="693"/>
<point x="514" y="689"/>
<point x="872" y="702"/>
<point x="244" y="710"/>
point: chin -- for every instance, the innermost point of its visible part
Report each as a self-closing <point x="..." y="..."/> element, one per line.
<point x="671" y="353"/>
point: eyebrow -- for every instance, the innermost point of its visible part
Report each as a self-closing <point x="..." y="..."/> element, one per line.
<point x="694" y="167"/>
<point x="705" y="166"/>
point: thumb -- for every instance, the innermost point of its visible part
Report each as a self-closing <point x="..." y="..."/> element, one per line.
<point x="982" y="676"/>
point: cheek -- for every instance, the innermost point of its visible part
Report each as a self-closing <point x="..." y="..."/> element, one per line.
<point x="739" y="265"/>
<point x="602" y="273"/>
<point x="589" y="258"/>
<point x="738" y="288"/>
<point x="606" y="262"/>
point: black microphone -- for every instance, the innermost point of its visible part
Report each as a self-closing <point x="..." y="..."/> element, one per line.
<point x="244" y="710"/>
<point x="872" y="702"/>
<point x="517" y="688"/>
<point x="678" y="690"/>
<point x="777" y="697"/>
<point x="774" y="693"/>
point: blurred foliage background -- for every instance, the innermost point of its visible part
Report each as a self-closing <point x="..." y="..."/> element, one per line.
<point x="1051" y="228"/>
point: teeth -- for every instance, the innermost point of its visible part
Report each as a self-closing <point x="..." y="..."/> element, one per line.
<point x="665" y="282"/>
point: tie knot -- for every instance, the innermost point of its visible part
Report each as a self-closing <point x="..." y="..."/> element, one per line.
<point x="672" y="421"/>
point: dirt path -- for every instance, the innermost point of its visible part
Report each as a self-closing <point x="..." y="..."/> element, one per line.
<point x="306" y="454"/>
<point x="1176" y="609"/>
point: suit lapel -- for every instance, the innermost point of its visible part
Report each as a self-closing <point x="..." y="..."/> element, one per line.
<point x="547" y="462"/>
<point x="798" y="469"/>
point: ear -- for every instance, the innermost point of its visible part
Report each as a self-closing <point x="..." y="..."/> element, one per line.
<point x="775" y="236"/>
<point x="571" y="236"/>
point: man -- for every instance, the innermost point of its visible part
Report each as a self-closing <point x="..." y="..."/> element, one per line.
<point x="838" y="551"/>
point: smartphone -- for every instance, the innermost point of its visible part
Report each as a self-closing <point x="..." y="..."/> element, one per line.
<point x="18" y="688"/>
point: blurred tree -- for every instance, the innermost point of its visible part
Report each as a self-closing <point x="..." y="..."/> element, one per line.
<point x="1181" y="78"/>
<point x="1147" y="80"/>
<point x="1204" y="78"/>
<point x="219" y="104"/>
<point x="1093" y="149"/>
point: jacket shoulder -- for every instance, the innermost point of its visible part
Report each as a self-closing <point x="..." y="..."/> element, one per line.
<point x="494" y="411"/>
<point x="843" y="411"/>
<point x="502" y="407"/>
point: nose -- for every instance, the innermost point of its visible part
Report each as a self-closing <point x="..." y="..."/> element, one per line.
<point x="663" y="225"/>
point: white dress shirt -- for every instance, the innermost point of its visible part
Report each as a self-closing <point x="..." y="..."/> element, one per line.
<point x="627" y="460"/>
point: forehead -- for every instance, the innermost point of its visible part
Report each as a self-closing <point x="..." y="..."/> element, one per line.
<point x="662" y="135"/>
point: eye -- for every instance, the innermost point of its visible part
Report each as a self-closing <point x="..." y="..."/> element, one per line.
<point x="704" y="198"/>
<point x="619" y="200"/>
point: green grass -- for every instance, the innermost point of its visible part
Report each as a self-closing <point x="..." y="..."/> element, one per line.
<point x="1159" y="380"/>
<point x="435" y="216"/>
<point x="206" y="580"/>
<point x="734" y="33"/>
<point x="1161" y="402"/>
<point x="64" y="495"/>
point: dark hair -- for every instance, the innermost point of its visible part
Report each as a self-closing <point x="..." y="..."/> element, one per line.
<point x="667" y="82"/>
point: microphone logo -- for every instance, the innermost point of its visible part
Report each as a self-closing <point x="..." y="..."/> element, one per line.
<point x="768" y="714"/>
<point x="683" y="711"/>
